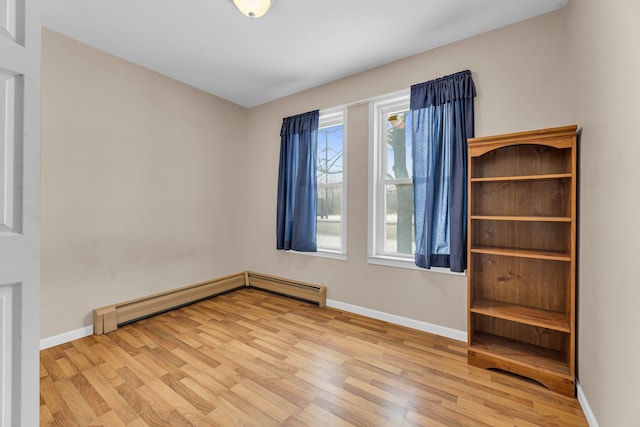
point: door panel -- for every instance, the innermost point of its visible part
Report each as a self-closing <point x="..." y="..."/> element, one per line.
<point x="19" y="212"/>
<point x="8" y="348"/>
<point x="10" y="153"/>
<point x="8" y="19"/>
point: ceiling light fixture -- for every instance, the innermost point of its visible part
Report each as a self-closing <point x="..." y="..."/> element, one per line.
<point x="253" y="8"/>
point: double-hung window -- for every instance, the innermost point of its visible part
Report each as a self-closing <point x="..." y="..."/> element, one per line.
<point x="331" y="178"/>
<point x="439" y="115"/>
<point x="391" y="219"/>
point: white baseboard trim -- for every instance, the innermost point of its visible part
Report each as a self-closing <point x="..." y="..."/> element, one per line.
<point x="399" y="320"/>
<point x="588" y="413"/>
<point x="380" y="315"/>
<point x="66" y="337"/>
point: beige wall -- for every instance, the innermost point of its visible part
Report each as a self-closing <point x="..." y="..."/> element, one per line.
<point x="519" y="74"/>
<point x="603" y="40"/>
<point x="142" y="183"/>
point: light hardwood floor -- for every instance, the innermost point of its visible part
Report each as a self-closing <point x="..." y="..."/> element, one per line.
<point x="252" y="358"/>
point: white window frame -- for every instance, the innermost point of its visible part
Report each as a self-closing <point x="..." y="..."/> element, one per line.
<point x="332" y="117"/>
<point x="378" y="108"/>
<point x="379" y="181"/>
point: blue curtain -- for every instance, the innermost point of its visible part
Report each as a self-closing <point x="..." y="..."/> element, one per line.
<point x="442" y="120"/>
<point x="297" y="189"/>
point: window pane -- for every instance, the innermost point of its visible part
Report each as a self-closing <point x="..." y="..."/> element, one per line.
<point x="329" y="218"/>
<point x="392" y="202"/>
<point x="329" y="172"/>
<point x="399" y="156"/>
<point x="398" y="227"/>
<point x="329" y="163"/>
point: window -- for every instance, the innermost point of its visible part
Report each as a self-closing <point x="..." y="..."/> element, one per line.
<point x="391" y="177"/>
<point x="391" y="224"/>
<point x="331" y="176"/>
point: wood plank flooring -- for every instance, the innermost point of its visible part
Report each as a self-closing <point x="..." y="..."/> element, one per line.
<point x="251" y="358"/>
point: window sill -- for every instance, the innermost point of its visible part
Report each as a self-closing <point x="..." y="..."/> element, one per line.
<point x="408" y="264"/>
<point x="323" y="254"/>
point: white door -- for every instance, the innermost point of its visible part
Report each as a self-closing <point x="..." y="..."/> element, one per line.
<point x="19" y="212"/>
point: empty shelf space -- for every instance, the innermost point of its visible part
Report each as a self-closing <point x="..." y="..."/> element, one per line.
<point x="521" y="314"/>
<point x="521" y="353"/>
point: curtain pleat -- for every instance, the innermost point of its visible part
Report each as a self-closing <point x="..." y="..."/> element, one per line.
<point x="442" y="111"/>
<point x="297" y="188"/>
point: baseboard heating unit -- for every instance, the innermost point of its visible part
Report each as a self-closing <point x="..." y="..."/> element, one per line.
<point x="108" y="318"/>
<point x="291" y="288"/>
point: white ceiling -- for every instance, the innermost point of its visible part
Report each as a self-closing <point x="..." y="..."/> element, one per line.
<point x="297" y="45"/>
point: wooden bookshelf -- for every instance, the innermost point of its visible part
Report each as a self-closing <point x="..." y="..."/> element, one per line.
<point x="521" y="255"/>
